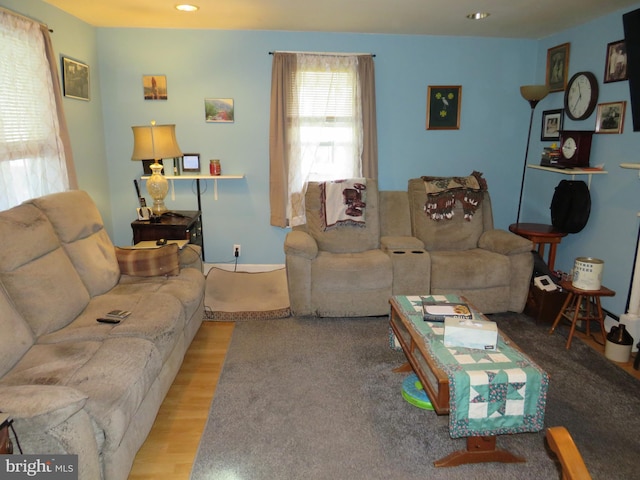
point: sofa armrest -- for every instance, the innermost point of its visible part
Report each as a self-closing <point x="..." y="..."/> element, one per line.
<point x="190" y="256"/>
<point x="391" y="243"/>
<point x="504" y="242"/>
<point x="300" y="244"/>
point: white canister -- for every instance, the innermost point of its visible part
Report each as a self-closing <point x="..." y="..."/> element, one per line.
<point x="587" y="273"/>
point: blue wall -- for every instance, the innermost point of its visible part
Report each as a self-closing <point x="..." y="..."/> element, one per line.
<point x="203" y="64"/>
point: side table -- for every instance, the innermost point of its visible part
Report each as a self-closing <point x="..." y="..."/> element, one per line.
<point x="540" y="234"/>
<point x="174" y="225"/>
<point x="574" y="310"/>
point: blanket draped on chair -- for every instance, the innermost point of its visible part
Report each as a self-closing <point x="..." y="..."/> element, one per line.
<point x="343" y="202"/>
<point x="442" y="193"/>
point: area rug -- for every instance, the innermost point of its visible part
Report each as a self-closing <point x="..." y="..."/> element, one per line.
<point x="233" y="295"/>
<point x="317" y="399"/>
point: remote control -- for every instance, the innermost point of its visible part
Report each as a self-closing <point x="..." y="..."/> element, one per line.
<point x="108" y="320"/>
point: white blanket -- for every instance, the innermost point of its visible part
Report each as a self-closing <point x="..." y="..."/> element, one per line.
<point x="344" y="202"/>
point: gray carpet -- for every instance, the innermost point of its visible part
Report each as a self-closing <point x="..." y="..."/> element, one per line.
<point x="317" y="399"/>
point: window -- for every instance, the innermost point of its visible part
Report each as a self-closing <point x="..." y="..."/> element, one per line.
<point x="317" y="127"/>
<point x="32" y="151"/>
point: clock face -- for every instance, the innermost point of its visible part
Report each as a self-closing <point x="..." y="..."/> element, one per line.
<point x="581" y="96"/>
<point x="569" y="147"/>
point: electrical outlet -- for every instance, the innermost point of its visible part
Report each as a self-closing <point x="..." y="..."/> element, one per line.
<point x="236" y="250"/>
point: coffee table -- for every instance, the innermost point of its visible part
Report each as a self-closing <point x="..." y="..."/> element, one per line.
<point x="441" y="370"/>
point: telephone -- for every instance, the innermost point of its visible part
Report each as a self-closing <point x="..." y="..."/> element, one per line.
<point x="144" y="213"/>
<point x="141" y="199"/>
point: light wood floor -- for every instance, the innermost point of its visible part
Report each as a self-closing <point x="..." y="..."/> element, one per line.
<point x="173" y="441"/>
<point x="172" y="444"/>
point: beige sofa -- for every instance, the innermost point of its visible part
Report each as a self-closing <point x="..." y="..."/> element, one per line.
<point x="352" y="271"/>
<point x="74" y="385"/>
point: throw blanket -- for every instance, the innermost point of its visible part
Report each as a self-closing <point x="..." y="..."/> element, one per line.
<point x="343" y="202"/>
<point x="442" y="193"/>
<point x="490" y="393"/>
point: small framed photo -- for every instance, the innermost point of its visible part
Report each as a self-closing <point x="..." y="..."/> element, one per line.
<point x="551" y="124"/>
<point x="75" y="79"/>
<point x="154" y="87"/>
<point x="616" y="62"/>
<point x="443" y="107"/>
<point x="191" y="162"/>
<point x="610" y="117"/>
<point x="218" y="110"/>
<point x="558" y="67"/>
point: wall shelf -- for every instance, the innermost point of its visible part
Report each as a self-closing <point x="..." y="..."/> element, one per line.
<point x="571" y="171"/>
<point x="197" y="178"/>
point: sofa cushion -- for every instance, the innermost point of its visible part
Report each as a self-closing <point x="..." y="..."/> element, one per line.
<point x="114" y="374"/>
<point x="79" y="226"/>
<point x="15" y="335"/>
<point x="36" y="272"/>
<point x="351" y="272"/>
<point x="471" y="269"/>
<point x="455" y="233"/>
<point x="149" y="262"/>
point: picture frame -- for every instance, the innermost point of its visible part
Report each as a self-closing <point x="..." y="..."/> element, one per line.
<point x="191" y="162"/>
<point x="610" y="117"/>
<point x="558" y="67"/>
<point x="219" y="110"/>
<point x="615" y="69"/>
<point x="154" y="87"/>
<point x="443" y="107"/>
<point x="552" y="121"/>
<point x="75" y="79"/>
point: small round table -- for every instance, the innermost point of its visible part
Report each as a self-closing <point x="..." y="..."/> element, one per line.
<point x="540" y="234"/>
<point x="574" y="310"/>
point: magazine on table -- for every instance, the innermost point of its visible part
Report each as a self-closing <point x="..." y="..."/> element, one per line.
<point x="435" y="311"/>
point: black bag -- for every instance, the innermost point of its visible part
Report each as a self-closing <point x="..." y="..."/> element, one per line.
<point x="570" y="206"/>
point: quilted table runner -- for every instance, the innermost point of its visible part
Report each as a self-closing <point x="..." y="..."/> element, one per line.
<point x="491" y="392"/>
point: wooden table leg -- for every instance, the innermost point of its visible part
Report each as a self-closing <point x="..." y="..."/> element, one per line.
<point x="566" y="303"/>
<point x="574" y="321"/>
<point x="479" y="450"/>
<point x="404" y="368"/>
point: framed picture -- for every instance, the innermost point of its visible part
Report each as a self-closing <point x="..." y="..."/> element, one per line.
<point x="616" y="62"/>
<point x="191" y="162"/>
<point x="551" y="125"/>
<point x="610" y="117"/>
<point x="75" y="79"/>
<point x="218" y="110"/>
<point x="154" y="87"/>
<point x="558" y="67"/>
<point x="443" y="107"/>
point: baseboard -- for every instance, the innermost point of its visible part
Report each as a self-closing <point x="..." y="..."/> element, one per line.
<point x="242" y="267"/>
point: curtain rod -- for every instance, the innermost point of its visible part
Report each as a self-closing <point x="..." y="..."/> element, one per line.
<point x="24" y="17"/>
<point x="325" y="53"/>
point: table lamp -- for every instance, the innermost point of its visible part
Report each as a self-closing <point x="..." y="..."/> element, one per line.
<point x="533" y="94"/>
<point x="155" y="142"/>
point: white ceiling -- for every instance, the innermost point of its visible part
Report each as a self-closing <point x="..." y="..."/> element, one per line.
<point x="509" y="18"/>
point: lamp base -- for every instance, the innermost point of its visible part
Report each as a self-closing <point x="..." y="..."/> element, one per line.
<point x="158" y="187"/>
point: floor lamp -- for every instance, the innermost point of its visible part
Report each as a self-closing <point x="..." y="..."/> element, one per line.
<point x="533" y="94"/>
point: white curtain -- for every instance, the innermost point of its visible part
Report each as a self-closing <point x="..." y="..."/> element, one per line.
<point x="32" y="152"/>
<point x="326" y="125"/>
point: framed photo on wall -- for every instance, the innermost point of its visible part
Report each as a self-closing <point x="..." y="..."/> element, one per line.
<point x="75" y="79"/>
<point x="551" y="124"/>
<point x="154" y="87"/>
<point x="558" y="67"/>
<point x="443" y="107"/>
<point x="219" y="110"/>
<point x="610" y="117"/>
<point x="616" y="62"/>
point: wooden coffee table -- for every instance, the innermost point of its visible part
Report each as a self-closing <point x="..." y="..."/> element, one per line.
<point x="423" y="359"/>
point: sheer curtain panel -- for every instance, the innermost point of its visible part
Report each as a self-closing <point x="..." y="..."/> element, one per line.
<point x="322" y="126"/>
<point x="35" y="158"/>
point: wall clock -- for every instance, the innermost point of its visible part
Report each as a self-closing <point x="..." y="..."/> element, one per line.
<point x="575" y="148"/>
<point x="581" y="96"/>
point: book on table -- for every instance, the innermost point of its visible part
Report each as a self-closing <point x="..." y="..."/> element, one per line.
<point x="437" y="311"/>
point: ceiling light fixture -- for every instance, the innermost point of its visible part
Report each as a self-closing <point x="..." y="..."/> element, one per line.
<point x="478" y="15"/>
<point x="185" y="7"/>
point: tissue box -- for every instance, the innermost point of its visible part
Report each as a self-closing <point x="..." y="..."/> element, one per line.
<point x="479" y="334"/>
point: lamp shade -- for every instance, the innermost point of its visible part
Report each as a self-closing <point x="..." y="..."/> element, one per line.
<point x="534" y="92"/>
<point x="155" y="142"/>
